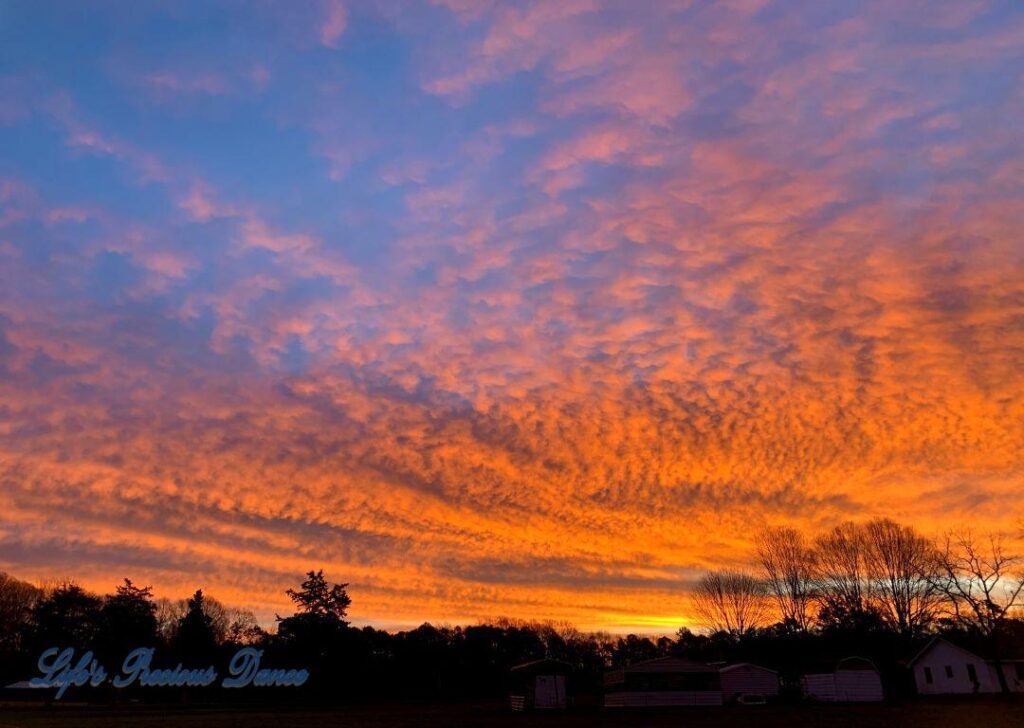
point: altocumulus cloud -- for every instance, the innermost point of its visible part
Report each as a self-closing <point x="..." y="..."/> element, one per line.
<point x="485" y="308"/>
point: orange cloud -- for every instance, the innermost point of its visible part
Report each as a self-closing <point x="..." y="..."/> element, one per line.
<point x="696" y="280"/>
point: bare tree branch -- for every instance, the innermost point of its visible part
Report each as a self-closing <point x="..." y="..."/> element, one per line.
<point x="729" y="601"/>
<point x="788" y="567"/>
<point x="903" y="567"/>
<point x="982" y="584"/>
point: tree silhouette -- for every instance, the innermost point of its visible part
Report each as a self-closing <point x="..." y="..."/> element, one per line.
<point x="841" y="570"/>
<point x="730" y="601"/>
<point x="127" y="620"/>
<point x="67" y="617"/>
<point x="317" y="633"/>
<point x="16" y="601"/>
<point x="318" y="598"/>
<point x="866" y="589"/>
<point x="983" y="585"/>
<point x="321" y="609"/>
<point x="195" y="638"/>
<point x="788" y="566"/>
<point x="905" y="567"/>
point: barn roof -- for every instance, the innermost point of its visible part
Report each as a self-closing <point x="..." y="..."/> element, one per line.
<point x="935" y="641"/>
<point x="963" y="647"/>
<point x="856" y="663"/>
<point x="669" y="664"/>
<point x="822" y="664"/>
<point x="738" y="665"/>
<point x="557" y="666"/>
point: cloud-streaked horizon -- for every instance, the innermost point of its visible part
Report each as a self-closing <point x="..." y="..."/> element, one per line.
<point x="487" y="308"/>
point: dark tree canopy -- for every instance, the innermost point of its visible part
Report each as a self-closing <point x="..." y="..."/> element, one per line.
<point x="877" y="589"/>
<point x="16" y="601"/>
<point x="68" y="617"/>
<point x="318" y="598"/>
<point x="318" y="624"/>
<point x="127" y="620"/>
<point x="196" y="638"/>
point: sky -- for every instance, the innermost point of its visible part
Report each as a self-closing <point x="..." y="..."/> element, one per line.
<point x="533" y="309"/>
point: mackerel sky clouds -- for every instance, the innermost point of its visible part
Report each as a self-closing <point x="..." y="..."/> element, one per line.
<point x="494" y="308"/>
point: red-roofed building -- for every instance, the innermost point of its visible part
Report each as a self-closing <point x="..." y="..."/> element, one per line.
<point x="661" y="682"/>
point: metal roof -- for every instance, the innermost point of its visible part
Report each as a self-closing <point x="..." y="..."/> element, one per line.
<point x="543" y="663"/>
<point x="669" y="664"/>
<point x="962" y="648"/>
<point x="738" y="665"/>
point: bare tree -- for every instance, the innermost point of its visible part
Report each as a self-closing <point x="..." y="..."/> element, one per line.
<point x="169" y="613"/>
<point x="788" y="566"/>
<point x="243" y="628"/>
<point x="842" y="573"/>
<point x="730" y="601"/>
<point x="220" y="617"/>
<point x="903" y="566"/>
<point x="16" y="601"/>
<point x="982" y="584"/>
<point x="48" y="585"/>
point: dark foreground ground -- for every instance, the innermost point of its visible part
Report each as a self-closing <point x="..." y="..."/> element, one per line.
<point x="932" y="714"/>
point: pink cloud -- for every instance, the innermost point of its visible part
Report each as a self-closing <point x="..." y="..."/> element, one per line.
<point x="201" y="206"/>
<point x="333" y="23"/>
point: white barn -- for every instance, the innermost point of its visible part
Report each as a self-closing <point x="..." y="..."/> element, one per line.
<point x="943" y="668"/>
<point x="855" y="680"/>
<point x="744" y="679"/>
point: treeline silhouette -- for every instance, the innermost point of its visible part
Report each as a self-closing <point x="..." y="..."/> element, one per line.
<point x="878" y="590"/>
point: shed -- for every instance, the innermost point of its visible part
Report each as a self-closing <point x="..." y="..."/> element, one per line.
<point x="855" y="680"/>
<point x="539" y="685"/>
<point x="744" y="680"/>
<point x="945" y="668"/>
<point x="661" y="682"/>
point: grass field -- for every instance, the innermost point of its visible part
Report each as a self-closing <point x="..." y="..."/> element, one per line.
<point x="932" y="714"/>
